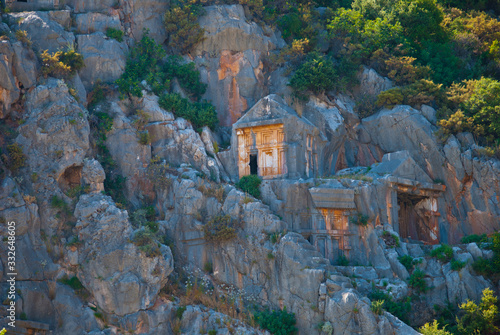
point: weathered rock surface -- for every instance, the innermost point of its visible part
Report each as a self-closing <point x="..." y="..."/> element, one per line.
<point x="9" y="92"/>
<point x="230" y="60"/>
<point x="122" y="278"/>
<point x="104" y="58"/>
<point x="146" y="14"/>
<point x="88" y="23"/>
<point x="47" y="30"/>
<point x="371" y="83"/>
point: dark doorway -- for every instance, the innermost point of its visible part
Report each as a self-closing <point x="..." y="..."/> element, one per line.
<point x="254" y="167"/>
<point x="412" y="224"/>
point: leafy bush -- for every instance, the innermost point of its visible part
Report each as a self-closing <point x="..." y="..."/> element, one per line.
<point x="199" y="114"/>
<point x="480" y="319"/>
<point x="407" y="261"/>
<point x="317" y="74"/>
<point x="483" y="267"/>
<point x="142" y="61"/>
<point x="433" y="329"/>
<point x="417" y="282"/>
<point x="72" y="282"/>
<point x="399" y="309"/>
<point x="219" y="229"/>
<point x="145" y="239"/>
<point x="182" y="26"/>
<point x="359" y="219"/>
<point x="144" y="138"/>
<point x="15" y="158"/>
<point x="391" y="240"/>
<point x="22" y="35"/>
<point x="116" y="34"/>
<point x="250" y="184"/>
<point x="474" y="239"/>
<point x="343" y="260"/>
<point x="72" y="59"/>
<point x="403" y="70"/>
<point x="186" y="74"/>
<point x="377" y="307"/>
<point x="443" y="253"/>
<point x="61" y="64"/>
<point x="457" y="265"/>
<point x="277" y="322"/>
<point x="157" y="171"/>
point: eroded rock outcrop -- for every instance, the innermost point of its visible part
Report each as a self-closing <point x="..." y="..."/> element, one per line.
<point x="230" y="60"/>
<point x="122" y="278"/>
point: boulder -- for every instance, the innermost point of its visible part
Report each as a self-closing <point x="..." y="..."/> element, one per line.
<point x="122" y="278"/>
<point x="371" y="83"/>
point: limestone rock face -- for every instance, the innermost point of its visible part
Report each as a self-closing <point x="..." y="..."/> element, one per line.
<point x="146" y="14"/>
<point x="47" y="30"/>
<point x="55" y="135"/>
<point x="93" y="175"/>
<point x="18" y="71"/>
<point x="88" y="23"/>
<point x="341" y="313"/>
<point x="83" y="6"/>
<point x="121" y="278"/>
<point x="25" y="65"/>
<point x="230" y="60"/>
<point x="371" y="83"/>
<point x="9" y="91"/>
<point x="104" y="58"/>
<point x="471" y="189"/>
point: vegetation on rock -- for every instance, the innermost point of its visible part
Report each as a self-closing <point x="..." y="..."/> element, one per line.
<point x="277" y="322"/>
<point x="250" y="184"/>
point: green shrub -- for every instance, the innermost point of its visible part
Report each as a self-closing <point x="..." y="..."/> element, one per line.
<point x="407" y="261"/>
<point x="391" y="240"/>
<point x="72" y="59"/>
<point x="144" y="138"/>
<point x="277" y="322"/>
<point x="199" y="114"/>
<point x="359" y="219"/>
<point x="483" y="267"/>
<point x="443" y="253"/>
<point x="15" y="158"/>
<point x="61" y="64"/>
<point x="480" y="319"/>
<point x="157" y="171"/>
<point x="457" y="265"/>
<point x="433" y="329"/>
<point x="180" y="311"/>
<point x="145" y="239"/>
<point x="474" y="239"/>
<point x="183" y="28"/>
<point x="22" y="35"/>
<point x="186" y="74"/>
<point x="208" y="267"/>
<point x="116" y="34"/>
<point x="72" y="282"/>
<point x="377" y="307"/>
<point x="317" y="75"/>
<point x="343" y="260"/>
<point x="143" y="61"/>
<point x="219" y="229"/>
<point x="250" y="184"/>
<point x="400" y="309"/>
<point x="417" y="282"/>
